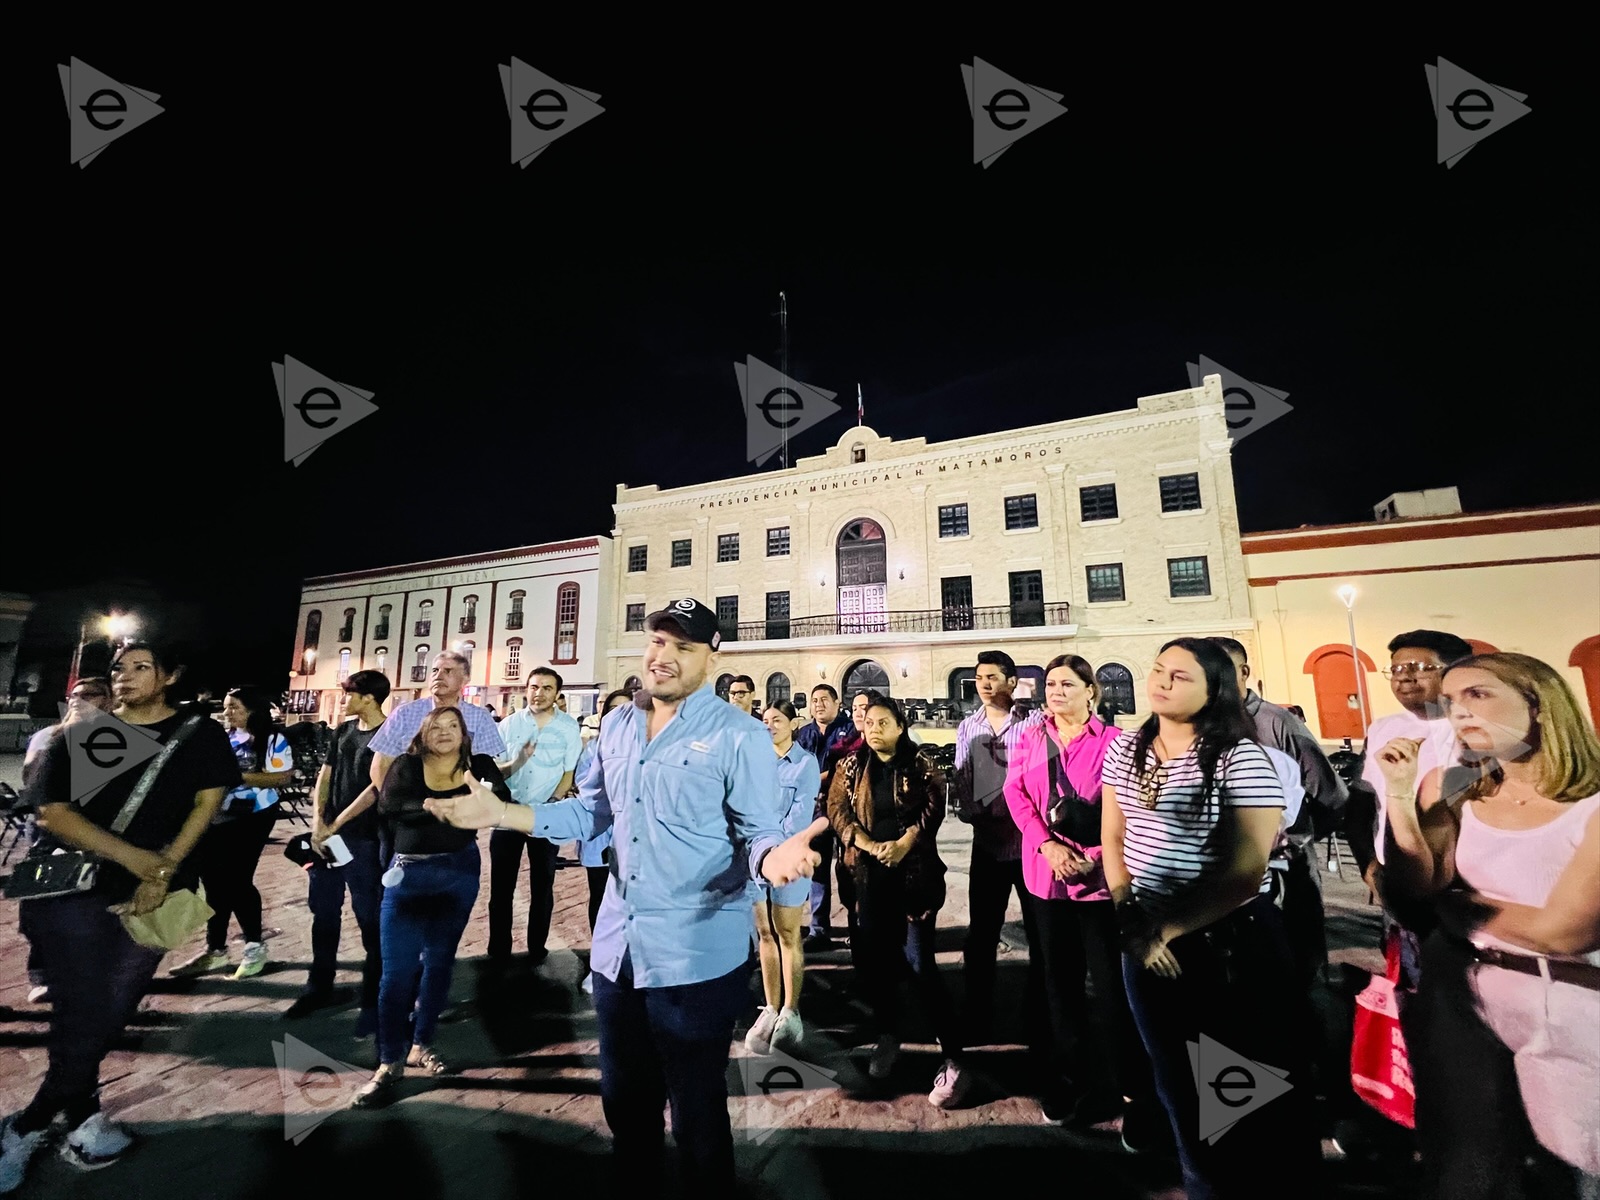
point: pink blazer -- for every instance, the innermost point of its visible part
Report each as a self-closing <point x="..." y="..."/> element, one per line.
<point x="1028" y="797"/>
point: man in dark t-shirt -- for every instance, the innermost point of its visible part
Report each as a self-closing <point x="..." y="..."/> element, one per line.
<point x="344" y="808"/>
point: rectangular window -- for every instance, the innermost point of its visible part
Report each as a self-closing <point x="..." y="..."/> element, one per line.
<point x="635" y="621"/>
<point x="566" y="624"/>
<point x="728" y="617"/>
<point x="1022" y="512"/>
<point x="727" y="547"/>
<point x="1098" y="503"/>
<point x="1027" y="598"/>
<point x="681" y="552"/>
<point x="1105" y="582"/>
<point x="1189" y="576"/>
<point x="638" y="558"/>
<point x="952" y="520"/>
<point x="1180" y="493"/>
<point x="777" y="615"/>
<point x="513" y="660"/>
<point x="778" y="542"/>
<point x="956" y="593"/>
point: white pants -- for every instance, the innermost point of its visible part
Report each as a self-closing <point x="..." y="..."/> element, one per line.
<point x="1553" y="1030"/>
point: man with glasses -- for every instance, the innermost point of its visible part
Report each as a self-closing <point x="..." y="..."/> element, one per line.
<point x="742" y="693"/>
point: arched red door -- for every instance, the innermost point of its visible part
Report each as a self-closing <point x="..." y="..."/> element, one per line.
<point x="1338" y="693"/>
<point x="1479" y="647"/>
<point x="1586" y="657"/>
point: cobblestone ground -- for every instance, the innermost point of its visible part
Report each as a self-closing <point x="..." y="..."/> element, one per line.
<point x="198" y="1081"/>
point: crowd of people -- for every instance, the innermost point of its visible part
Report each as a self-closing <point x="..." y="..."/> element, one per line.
<point x="1167" y="876"/>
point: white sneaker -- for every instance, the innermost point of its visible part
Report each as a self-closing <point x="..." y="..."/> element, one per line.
<point x="96" y="1143"/>
<point x="950" y="1086"/>
<point x="253" y="959"/>
<point x="207" y="960"/>
<point x="38" y="994"/>
<point x="883" y="1056"/>
<point x="788" y="1031"/>
<point x="16" y="1152"/>
<point x="759" y="1039"/>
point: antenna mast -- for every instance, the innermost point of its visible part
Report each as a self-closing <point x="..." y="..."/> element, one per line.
<point x="783" y="366"/>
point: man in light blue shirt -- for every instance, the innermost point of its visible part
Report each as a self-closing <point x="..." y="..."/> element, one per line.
<point x="543" y="744"/>
<point x="690" y="786"/>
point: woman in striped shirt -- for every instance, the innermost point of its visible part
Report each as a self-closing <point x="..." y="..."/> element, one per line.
<point x="1191" y="806"/>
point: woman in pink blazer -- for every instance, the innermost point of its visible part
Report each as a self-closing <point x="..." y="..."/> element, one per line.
<point x="1053" y="790"/>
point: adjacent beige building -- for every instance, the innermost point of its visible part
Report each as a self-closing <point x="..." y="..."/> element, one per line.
<point x="891" y="564"/>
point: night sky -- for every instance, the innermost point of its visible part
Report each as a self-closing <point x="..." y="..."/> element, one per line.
<point x="533" y="337"/>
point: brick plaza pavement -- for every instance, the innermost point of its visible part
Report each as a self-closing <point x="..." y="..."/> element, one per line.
<point x="198" y="1082"/>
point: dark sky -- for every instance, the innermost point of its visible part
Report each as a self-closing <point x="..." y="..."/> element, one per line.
<point x="535" y="336"/>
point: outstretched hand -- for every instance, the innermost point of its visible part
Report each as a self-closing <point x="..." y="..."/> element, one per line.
<point x="793" y="858"/>
<point x="478" y="809"/>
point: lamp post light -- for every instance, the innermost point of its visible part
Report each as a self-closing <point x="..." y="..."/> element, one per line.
<point x="309" y="661"/>
<point x="118" y="629"/>
<point x="1347" y="594"/>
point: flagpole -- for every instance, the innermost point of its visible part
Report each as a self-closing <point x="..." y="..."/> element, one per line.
<point x="783" y="358"/>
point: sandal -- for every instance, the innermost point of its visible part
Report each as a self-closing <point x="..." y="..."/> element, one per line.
<point x="381" y="1088"/>
<point x="424" y="1059"/>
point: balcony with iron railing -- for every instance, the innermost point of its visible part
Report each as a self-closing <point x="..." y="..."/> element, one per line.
<point x="514" y="620"/>
<point x="468" y="625"/>
<point x="419" y="674"/>
<point x="963" y="618"/>
<point x="422" y="629"/>
<point x="381" y="633"/>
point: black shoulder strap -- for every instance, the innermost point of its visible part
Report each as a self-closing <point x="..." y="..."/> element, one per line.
<point x="147" y="781"/>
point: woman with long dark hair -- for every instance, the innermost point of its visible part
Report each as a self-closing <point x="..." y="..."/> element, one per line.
<point x="1507" y="845"/>
<point x="239" y="832"/>
<point x="886" y="805"/>
<point x="1191" y="808"/>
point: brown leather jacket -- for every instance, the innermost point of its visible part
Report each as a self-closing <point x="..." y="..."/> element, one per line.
<point x="919" y="803"/>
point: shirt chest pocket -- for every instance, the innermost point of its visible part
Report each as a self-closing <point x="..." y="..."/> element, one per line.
<point x="685" y="790"/>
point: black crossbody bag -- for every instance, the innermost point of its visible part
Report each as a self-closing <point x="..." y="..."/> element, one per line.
<point x="47" y="872"/>
<point x="1069" y="816"/>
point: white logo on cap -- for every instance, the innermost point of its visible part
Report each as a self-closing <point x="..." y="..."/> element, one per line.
<point x="684" y="605"/>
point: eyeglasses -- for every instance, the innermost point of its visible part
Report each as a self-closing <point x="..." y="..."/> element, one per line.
<point x="1409" y="670"/>
<point x="741" y="692"/>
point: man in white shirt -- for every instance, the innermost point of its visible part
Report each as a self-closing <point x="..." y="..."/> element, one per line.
<point x="542" y="744"/>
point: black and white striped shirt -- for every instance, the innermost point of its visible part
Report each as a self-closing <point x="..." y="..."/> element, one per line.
<point x="1172" y="845"/>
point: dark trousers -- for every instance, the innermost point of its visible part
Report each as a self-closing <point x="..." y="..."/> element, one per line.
<point x="1474" y="1135"/>
<point x="822" y="888"/>
<point x="506" y="848"/>
<point x="597" y="891"/>
<point x="98" y="975"/>
<point x="363" y="876"/>
<point x="228" y="856"/>
<point x="669" y="1044"/>
<point x="990" y="883"/>
<point x="1235" y="988"/>
<point x="1094" y="1045"/>
<point x="889" y="945"/>
<point x="1303" y="919"/>
<point x="423" y="918"/>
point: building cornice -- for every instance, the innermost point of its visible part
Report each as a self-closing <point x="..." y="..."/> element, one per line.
<point x="488" y="558"/>
<point x="1407" y="529"/>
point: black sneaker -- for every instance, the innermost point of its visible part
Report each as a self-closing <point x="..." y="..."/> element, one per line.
<point x="818" y="943"/>
<point x="1144" y="1126"/>
<point x="313" y="1001"/>
<point x="1060" y="1105"/>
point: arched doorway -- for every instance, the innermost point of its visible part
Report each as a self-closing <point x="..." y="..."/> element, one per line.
<point x="1586" y="657"/>
<point x="778" y="688"/>
<point x="863" y="578"/>
<point x="864" y="676"/>
<point x="724" y="681"/>
<point x="1116" y="687"/>
<point x="1482" y="647"/>
<point x="1339" y="695"/>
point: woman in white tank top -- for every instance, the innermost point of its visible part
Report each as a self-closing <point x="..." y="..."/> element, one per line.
<point x="1509" y="846"/>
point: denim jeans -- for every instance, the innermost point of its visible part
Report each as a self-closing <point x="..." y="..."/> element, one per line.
<point x="98" y="975"/>
<point x="362" y="875"/>
<point x="506" y="848"/>
<point x="669" y="1044"/>
<point x="1237" y="986"/>
<point x="423" y="919"/>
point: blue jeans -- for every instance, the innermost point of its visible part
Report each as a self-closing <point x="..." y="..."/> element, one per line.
<point x="326" y="887"/>
<point x="661" y="1044"/>
<point x="422" y="921"/>
<point x="1237" y="986"/>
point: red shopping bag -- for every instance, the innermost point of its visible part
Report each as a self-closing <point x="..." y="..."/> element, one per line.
<point x="1380" y="1068"/>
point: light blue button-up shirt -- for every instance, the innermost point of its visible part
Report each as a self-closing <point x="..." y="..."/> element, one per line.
<point x="555" y="752"/>
<point x="694" y="810"/>
<point x="799" y="781"/>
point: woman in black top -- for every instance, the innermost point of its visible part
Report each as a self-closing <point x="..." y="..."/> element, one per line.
<point x="429" y="890"/>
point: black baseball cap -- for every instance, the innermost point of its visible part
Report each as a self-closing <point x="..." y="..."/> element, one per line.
<point x="697" y="622"/>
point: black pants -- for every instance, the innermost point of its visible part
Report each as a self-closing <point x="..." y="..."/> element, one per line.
<point x="506" y="848"/>
<point x="1303" y="919"/>
<point x="229" y="853"/>
<point x="362" y="875"/>
<point x="1474" y="1135"/>
<point x="1094" y="1043"/>
<point x="990" y="883"/>
<point x="98" y="975"/>
<point x="890" y="946"/>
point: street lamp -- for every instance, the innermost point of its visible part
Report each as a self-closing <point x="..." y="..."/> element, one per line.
<point x="310" y="662"/>
<point x="118" y="628"/>
<point x="1347" y="593"/>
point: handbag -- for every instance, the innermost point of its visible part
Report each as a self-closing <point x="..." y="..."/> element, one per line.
<point x="1380" y="1066"/>
<point x="171" y="925"/>
<point x="1069" y="817"/>
<point x="47" y="872"/>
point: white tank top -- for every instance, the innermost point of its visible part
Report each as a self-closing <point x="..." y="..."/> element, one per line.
<point x="1521" y="865"/>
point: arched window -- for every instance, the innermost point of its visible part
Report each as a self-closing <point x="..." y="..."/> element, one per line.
<point x="1116" y="687"/>
<point x="424" y="625"/>
<point x="777" y="688"/>
<point x="313" y="637"/>
<point x="566" y="625"/>
<point x="347" y="631"/>
<point x="865" y="676"/>
<point x="514" y="616"/>
<point x="863" y="578"/>
<point x="382" y="631"/>
<point x="344" y="665"/>
<point x="514" y="658"/>
<point x="421" y="663"/>
<point x="466" y="649"/>
<point x="469" y="614"/>
<point x="382" y="655"/>
<point x="724" y="682"/>
<point x="858" y="453"/>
